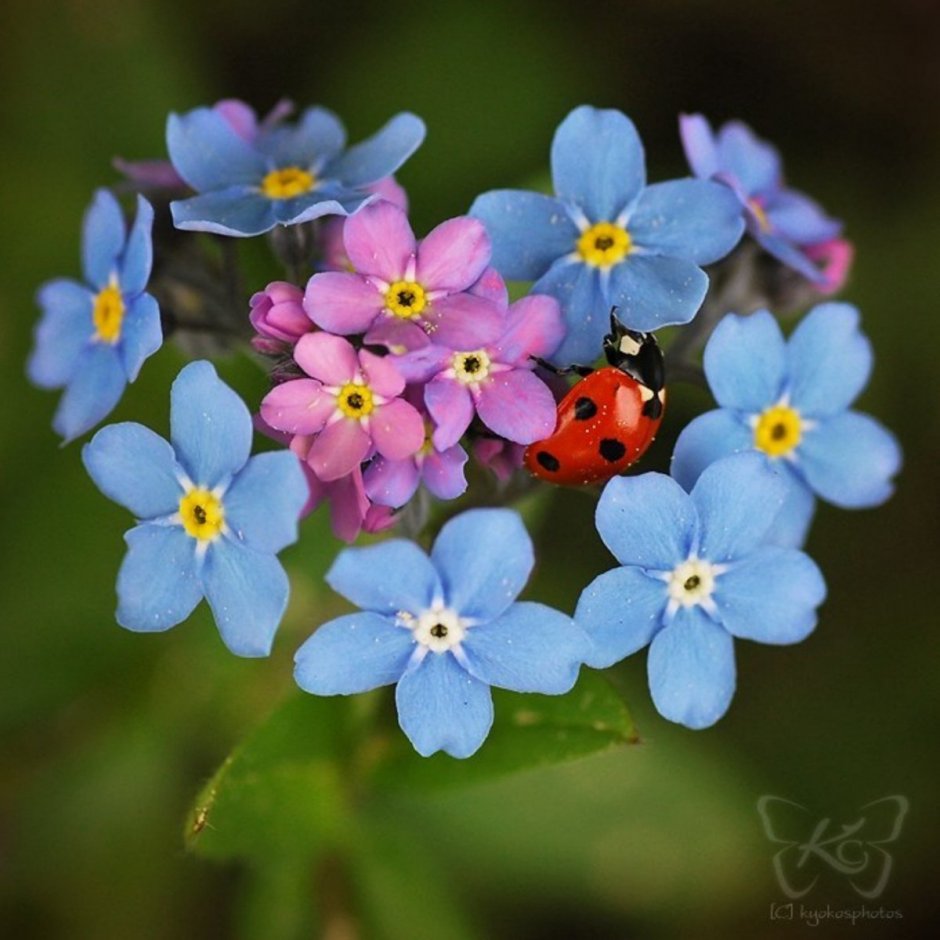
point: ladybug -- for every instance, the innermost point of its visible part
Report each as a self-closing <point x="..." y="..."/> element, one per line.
<point x="609" y="418"/>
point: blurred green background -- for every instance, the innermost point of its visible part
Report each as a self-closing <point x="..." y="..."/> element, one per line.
<point x="107" y="736"/>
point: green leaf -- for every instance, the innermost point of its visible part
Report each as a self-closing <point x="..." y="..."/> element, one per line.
<point x="529" y="731"/>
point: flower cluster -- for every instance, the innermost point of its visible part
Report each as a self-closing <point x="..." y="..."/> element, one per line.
<point x="392" y="360"/>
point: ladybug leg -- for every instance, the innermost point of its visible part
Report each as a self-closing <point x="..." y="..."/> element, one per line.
<point x="582" y="371"/>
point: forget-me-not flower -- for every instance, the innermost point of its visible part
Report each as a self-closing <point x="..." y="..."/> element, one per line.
<point x="211" y="520"/>
<point x="94" y="337"/>
<point x="445" y="629"/>
<point x="284" y="174"/>
<point x="606" y="238"/>
<point x="789" y="399"/>
<point x="694" y="577"/>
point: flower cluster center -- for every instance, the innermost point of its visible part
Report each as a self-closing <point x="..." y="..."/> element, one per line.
<point x="108" y="314"/>
<point x="778" y="431"/>
<point x="355" y="401"/>
<point x="288" y="182"/>
<point x="406" y="299"/>
<point x="439" y="629"/>
<point x="692" y="582"/>
<point x="604" y="244"/>
<point x="471" y="367"/>
<point x="202" y="514"/>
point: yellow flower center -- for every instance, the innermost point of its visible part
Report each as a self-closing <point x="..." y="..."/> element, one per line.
<point x="759" y="213"/>
<point x="405" y="299"/>
<point x="108" y="314"/>
<point x="202" y="514"/>
<point x="778" y="430"/>
<point x="604" y="244"/>
<point x="471" y="367"/>
<point x="355" y="401"/>
<point x="287" y="182"/>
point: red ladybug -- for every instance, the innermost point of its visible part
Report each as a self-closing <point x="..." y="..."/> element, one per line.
<point x="609" y="418"/>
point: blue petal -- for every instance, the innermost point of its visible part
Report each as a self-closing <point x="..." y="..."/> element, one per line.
<point x="386" y="578"/>
<point x="248" y="594"/>
<point x="263" y="504"/>
<point x="237" y="210"/>
<point x="208" y="154"/>
<point x="789" y="254"/>
<point x="391" y="482"/>
<point x="530" y="648"/>
<point x="102" y="239"/>
<point x="620" y="610"/>
<point x="791" y="525"/>
<point x="745" y="362"/>
<point x="141" y="334"/>
<point x="484" y="558"/>
<point x="210" y="427"/>
<point x="697" y="220"/>
<point x="597" y="162"/>
<point x="441" y="707"/>
<point x="648" y="521"/>
<point x="699" y="144"/>
<point x="654" y="290"/>
<point x="737" y="500"/>
<point x="771" y="596"/>
<point x="157" y="586"/>
<point x="754" y="163"/>
<point x="705" y="439"/>
<point x="380" y="155"/>
<point x="353" y="654"/>
<point x="93" y="391"/>
<point x="529" y="231"/>
<point x="849" y="460"/>
<point x="320" y="202"/>
<point x="136" y="468"/>
<point x="138" y="254"/>
<point x="66" y="326"/>
<point x="584" y="306"/>
<point x="829" y="360"/>
<point x="800" y="219"/>
<point x="316" y="138"/>
<point x="691" y="669"/>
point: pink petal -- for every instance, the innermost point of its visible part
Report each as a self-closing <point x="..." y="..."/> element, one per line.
<point x="239" y="116"/>
<point x="395" y="333"/>
<point x="391" y="191"/>
<point x="379" y="240"/>
<point x="397" y="429"/>
<point x="298" y="407"/>
<point x="348" y="505"/>
<point x="534" y="327"/>
<point x="517" y="405"/>
<point x="381" y="375"/>
<point x="453" y="255"/>
<point x="492" y="287"/>
<point x="331" y="359"/>
<point x="451" y="406"/>
<point x="378" y="519"/>
<point x="443" y="474"/>
<point x="462" y="321"/>
<point x="341" y="302"/>
<point x="423" y="364"/>
<point x="391" y="482"/>
<point x="339" y="449"/>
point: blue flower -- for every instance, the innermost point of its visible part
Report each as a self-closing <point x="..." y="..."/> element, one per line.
<point x="696" y="575"/>
<point x="284" y="175"/>
<point x="607" y="239"/>
<point x="790" y="401"/>
<point x="783" y="221"/>
<point x="211" y="520"/>
<point x="94" y="337"/>
<point x="444" y="629"/>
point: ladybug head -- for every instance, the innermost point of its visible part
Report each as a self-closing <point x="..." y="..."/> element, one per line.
<point x="637" y="354"/>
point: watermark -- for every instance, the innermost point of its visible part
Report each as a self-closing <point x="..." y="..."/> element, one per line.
<point x="857" y="852"/>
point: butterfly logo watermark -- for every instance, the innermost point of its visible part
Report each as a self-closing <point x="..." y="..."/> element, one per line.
<point x="810" y="845"/>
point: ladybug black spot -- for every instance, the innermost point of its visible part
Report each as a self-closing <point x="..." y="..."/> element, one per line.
<point x="584" y="408"/>
<point x="547" y="461"/>
<point x="611" y="449"/>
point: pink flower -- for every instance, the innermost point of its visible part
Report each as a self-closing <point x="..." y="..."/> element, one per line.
<point x="279" y="318"/>
<point x="495" y="380"/>
<point x="834" y="259"/>
<point x="346" y="411"/>
<point x="402" y="291"/>
<point x="499" y="455"/>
